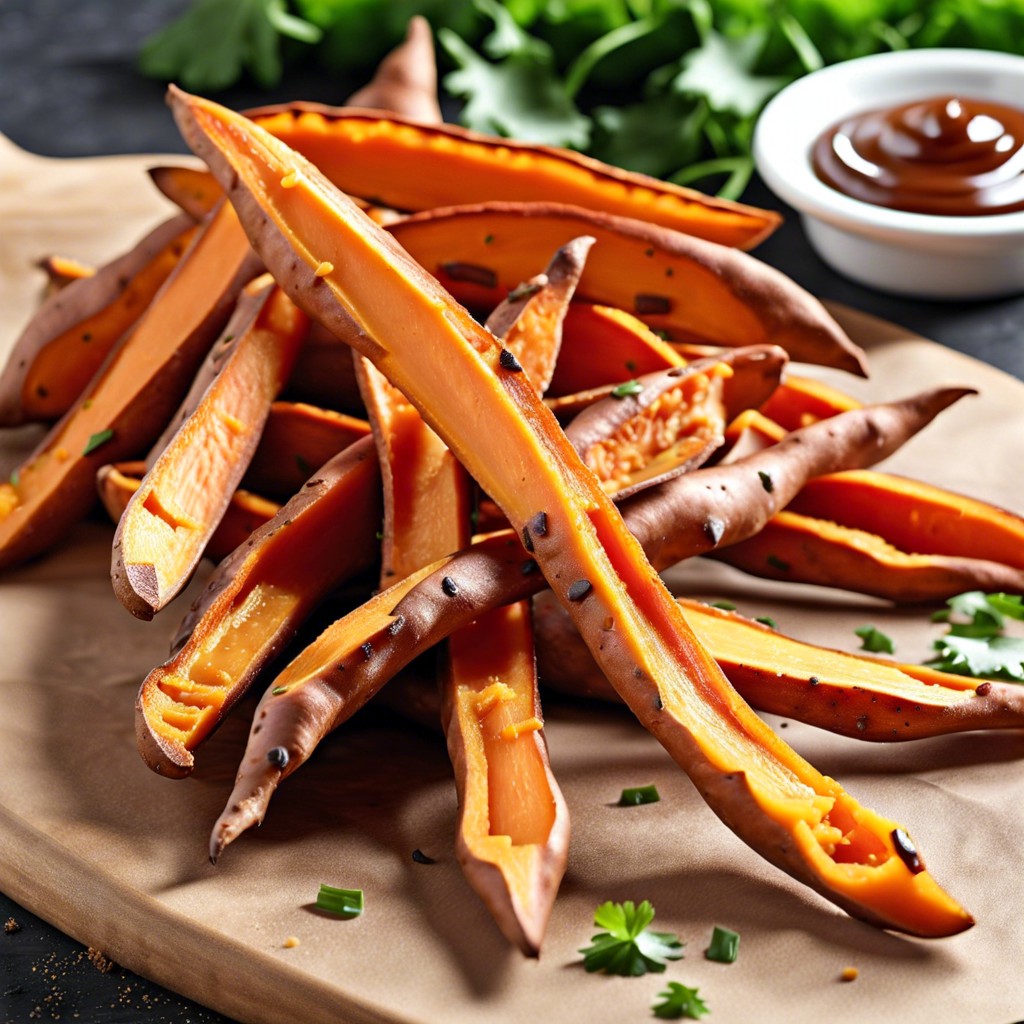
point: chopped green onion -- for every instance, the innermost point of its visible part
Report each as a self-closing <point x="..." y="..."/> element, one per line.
<point x="637" y="795"/>
<point x="97" y="440"/>
<point x="725" y="945"/>
<point x="631" y="387"/>
<point x="343" y="902"/>
<point x="278" y="690"/>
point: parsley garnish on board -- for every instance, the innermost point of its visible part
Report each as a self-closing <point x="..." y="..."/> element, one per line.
<point x="874" y="640"/>
<point x="667" y="87"/>
<point x="626" y="946"/>
<point x="678" y="1001"/>
<point x="976" y="644"/>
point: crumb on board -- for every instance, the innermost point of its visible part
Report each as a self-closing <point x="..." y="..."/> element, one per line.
<point x="100" y="960"/>
<point x="11" y="926"/>
<point x="290" y="943"/>
<point x="848" y="974"/>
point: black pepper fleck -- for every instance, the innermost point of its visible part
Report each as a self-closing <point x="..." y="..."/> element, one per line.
<point x="907" y="851"/>
<point x="509" y="362"/>
<point x="449" y="586"/>
<point x="278" y="757"/>
<point x="579" y="590"/>
<point x="539" y="525"/>
<point x="421" y="858"/>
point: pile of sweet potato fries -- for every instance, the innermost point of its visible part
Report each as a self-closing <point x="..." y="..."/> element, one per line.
<point x="294" y="352"/>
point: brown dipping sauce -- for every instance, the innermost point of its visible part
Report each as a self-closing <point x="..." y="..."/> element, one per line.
<point x="948" y="155"/>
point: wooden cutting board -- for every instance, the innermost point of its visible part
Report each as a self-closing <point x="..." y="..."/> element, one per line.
<point x="95" y="843"/>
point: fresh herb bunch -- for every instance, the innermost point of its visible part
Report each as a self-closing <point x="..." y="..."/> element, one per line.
<point x="667" y="87"/>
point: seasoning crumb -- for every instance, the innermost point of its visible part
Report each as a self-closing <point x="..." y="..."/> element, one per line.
<point x="849" y="974"/>
<point x="11" y="926"/>
<point x="290" y="943"/>
<point x="100" y="960"/>
<point x="324" y="268"/>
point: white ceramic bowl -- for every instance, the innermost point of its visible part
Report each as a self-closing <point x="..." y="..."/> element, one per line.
<point x="924" y="255"/>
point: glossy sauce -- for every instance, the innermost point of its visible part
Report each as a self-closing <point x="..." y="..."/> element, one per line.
<point x="947" y="155"/>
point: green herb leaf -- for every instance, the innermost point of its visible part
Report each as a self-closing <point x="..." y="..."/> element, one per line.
<point x="725" y="945"/>
<point x="97" y="440"/>
<point x="214" y="41"/>
<point x="1000" y="657"/>
<point x="626" y="946"/>
<point x="521" y="97"/>
<point x="726" y="606"/>
<point x="634" y="796"/>
<point x="631" y="387"/>
<point x="15" y="478"/>
<point x="874" y="640"/>
<point x="767" y="620"/>
<point x="343" y="902"/>
<point x="678" y="1002"/>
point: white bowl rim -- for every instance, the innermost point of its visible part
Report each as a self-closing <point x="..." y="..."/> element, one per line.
<point x="782" y="141"/>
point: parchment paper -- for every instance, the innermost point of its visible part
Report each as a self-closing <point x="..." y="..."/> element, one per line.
<point x="93" y="841"/>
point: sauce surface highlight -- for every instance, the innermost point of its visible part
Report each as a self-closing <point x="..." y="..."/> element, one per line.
<point x="947" y="155"/>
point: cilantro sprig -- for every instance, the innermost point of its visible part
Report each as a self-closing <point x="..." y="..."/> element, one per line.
<point x="678" y="1001"/>
<point x="627" y="946"/>
<point x="976" y="643"/>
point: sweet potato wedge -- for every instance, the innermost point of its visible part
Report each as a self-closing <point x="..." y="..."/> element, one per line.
<point x="193" y="190"/>
<point x="296" y="439"/>
<point x="246" y="512"/>
<point x="864" y="698"/>
<point x="368" y="154"/>
<point x="802" y="400"/>
<point x="803" y="549"/>
<point x="914" y="516"/>
<point x="253" y="604"/>
<point x="347" y="273"/>
<point x="132" y="396"/>
<point x="63" y="345"/>
<point x="688" y="288"/>
<point x="513" y="836"/>
<point x="161" y="536"/>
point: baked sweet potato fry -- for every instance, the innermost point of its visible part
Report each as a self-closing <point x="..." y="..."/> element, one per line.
<point x="254" y="603"/>
<point x="246" y="512"/>
<point x="803" y="549"/>
<point x="687" y="288"/>
<point x="132" y="396"/>
<point x="63" y="345"/>
<point x="161" y="537"/>
<point x="347" y="273"/>
<point x="848" y="694"/>
<point x="369" y="155"/>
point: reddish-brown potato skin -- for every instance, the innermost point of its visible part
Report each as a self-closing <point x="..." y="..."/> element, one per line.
<point x="73" y="303"/>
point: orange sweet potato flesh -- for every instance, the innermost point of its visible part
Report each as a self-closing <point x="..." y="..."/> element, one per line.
<point x="602" y="345"/>
<point x="161" y="537"/>
<point x="345" y="272"/>
<point x="371" y="155"/>
<point x="132" y="396"/>
<point x="253" y="604"/>
<point x="64" y="344"/>
<point x="246" y="512"/>
<point x="803" y="400"/>
<point x="513" y="835"/>
<point x="915" y="516"/>
<point x="296" y="439"/>
<point x="802" y="549"/>
<point x="689" y="289"/>
<point x="864" y="698"/>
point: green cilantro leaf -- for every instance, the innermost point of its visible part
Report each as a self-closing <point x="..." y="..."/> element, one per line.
<point x="679" y="1001"/>
<point x="522" y="96"/>
<point x="211" y="44"/>
<point x="722" y="71"/>
<point x="1000" y="657"/>
<point x="874" y="640"/>
<point x="626" y="946"/>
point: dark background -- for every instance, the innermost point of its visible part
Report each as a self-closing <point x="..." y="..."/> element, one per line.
<point x="68" y="88"/>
